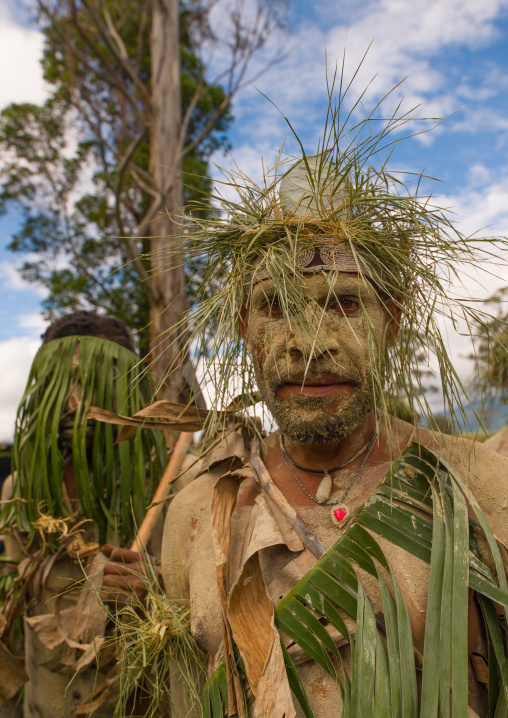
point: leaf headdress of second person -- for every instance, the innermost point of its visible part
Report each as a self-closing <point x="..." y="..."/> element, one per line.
<point x="85" y="360"/>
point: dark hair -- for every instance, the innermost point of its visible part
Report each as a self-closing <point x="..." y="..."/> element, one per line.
<point x="90" y="324"/>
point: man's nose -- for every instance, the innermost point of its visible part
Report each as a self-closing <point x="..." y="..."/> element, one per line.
<point x="312" y="337"/>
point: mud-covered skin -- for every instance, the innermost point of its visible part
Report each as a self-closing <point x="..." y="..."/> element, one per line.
<point x="332" y="340"/>
<point x="188" y="560"/>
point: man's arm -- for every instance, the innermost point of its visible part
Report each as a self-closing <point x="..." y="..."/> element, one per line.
<point x="12" y="551"/>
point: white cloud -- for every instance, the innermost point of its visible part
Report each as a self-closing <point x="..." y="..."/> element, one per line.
<point x="33" y="321"/>
<point x="408" y="40"/>
<point x="20" y="55"/>
<point x="16" y="356"/>
<point x="481" y="119"/>
<point x="483" y="209"/>
<point x="13" y="280"/>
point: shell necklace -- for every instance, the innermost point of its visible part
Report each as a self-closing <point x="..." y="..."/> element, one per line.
<point x="338" y="509"/>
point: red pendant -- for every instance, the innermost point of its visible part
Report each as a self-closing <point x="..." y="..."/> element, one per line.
<point x="339" y="514"/>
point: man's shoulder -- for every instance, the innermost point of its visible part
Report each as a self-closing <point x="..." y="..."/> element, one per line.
<point x="187" y="528"/>
<point x="230" y="453"/>
<point x="195" y="493"/>
<point x="484" y="471"/>
<point x="467" y="454"/>
<point x="498" y="442"/>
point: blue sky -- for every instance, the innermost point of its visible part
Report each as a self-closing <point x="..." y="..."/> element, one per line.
<point x="453" y="53"/>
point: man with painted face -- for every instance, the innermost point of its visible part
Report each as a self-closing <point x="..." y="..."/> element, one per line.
<point x="74" y="498"/>
<point x="346" y="561"/>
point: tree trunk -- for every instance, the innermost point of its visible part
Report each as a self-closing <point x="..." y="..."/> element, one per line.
<point x="168" y="282"/>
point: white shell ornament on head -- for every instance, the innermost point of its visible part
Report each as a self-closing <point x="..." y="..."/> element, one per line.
<point x="310" y="189"/>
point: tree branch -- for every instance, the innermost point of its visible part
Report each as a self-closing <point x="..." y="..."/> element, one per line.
<point x="119" y="51"/>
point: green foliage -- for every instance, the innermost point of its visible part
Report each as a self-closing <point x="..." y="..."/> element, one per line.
<point x="491" y="350"/>
<point x="114" y="481"/>
<point x="422" y="507"/>
<point x="77" y="167"/>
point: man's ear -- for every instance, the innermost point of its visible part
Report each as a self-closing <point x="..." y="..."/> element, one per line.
<point x="244" y="320"/>
<point x="394" y="311"/>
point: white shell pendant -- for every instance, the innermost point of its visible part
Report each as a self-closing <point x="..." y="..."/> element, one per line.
<point x="324" y="489"/>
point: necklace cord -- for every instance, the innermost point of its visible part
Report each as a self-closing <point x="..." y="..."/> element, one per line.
<point x="333" y="468"/>
<point x="369" y="445"/>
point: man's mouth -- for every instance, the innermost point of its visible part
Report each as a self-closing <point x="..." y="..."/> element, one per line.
<point x="316" y="385"/>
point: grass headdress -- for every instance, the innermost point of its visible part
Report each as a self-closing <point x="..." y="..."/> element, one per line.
<point x="114" y="481"/>
<point x="344" y="207"/>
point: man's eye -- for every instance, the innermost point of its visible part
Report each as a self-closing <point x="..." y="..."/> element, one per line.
<point x="349" y="306"/>
<point x="345" y="305"/>
<point x="273" y="306"/>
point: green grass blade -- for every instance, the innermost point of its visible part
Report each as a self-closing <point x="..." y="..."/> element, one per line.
<point x="296" y="684"/>
<point x="206" y="704"/>
<point x="364" y="666"/>
<point x="409" y="697"/>
<point x="378" y="519"/>
<point x="322" y="605"/>
<point x="308" y="619"/>
<point x="222" y="680"/>
<point x="403" y="518"/>
<point x="392" y="640"/>
<point x="482" y="519"/>
<point x="364" y="539"/>
<point x="495" y="634"/>
<point x="382" y="689"/>
<point x="501" y="708"/>
<point x="445" y="639"/>
<point x="354" y="552"/>
<point x="288" y="622"/>
<point x="333" y="590"/>
<point x="460" y="605"/>
<point x="215" y="697"/>
<point x="430" y="678"/>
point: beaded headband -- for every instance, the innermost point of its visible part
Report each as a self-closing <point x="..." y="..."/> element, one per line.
<point x="336" y="257"/>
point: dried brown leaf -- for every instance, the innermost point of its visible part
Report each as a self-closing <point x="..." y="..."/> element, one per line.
<point x="13" y="674"/>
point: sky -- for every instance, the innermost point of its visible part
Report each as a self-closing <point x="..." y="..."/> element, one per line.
<point x="452" y="54"/>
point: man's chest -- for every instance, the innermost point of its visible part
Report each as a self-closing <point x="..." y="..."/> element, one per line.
<point x="282" y="569"/>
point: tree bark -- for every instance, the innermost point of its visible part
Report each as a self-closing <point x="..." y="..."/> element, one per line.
<point x="168" y="281"/>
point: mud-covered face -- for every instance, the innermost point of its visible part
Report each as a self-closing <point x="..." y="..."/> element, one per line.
<point x="331" y="399"/>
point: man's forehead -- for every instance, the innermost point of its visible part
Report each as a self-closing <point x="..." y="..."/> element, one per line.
<point x="320" y="284"/>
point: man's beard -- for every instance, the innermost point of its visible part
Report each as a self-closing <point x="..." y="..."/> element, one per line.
<point x="311" y="419"/>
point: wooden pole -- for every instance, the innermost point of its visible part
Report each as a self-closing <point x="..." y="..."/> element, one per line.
<point x="154" y="510"/>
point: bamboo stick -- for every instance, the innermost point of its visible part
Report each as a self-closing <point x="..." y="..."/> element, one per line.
<point x="154" y="510"/>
